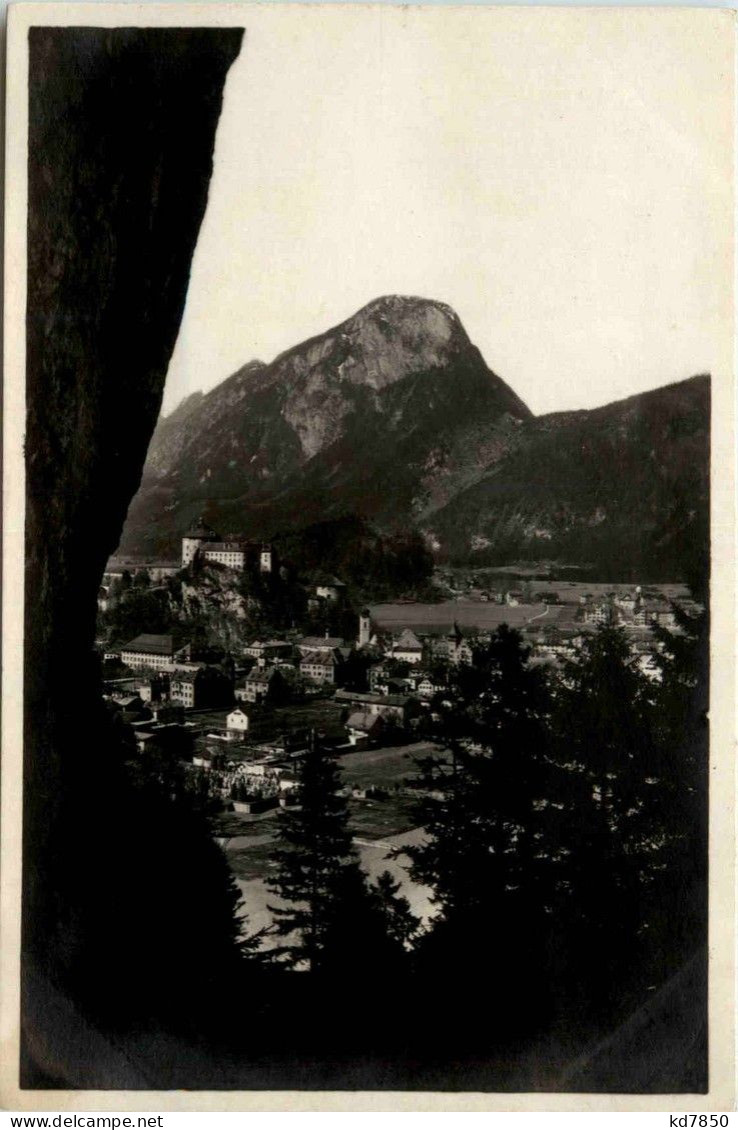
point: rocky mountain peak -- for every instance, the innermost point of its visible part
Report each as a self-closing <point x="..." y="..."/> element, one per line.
<point x="389" y="339"/>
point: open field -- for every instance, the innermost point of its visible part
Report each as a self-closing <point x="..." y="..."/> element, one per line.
<point x="378" y="820"/>
<point x="240" y="824"/>
<point x="320" y="713"/>
<point x="485" y="616"/>
<point x="250" y="849"/>
<point x="382" y="767"/>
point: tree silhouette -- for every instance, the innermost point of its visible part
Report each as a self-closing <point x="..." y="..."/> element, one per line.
<point x="681" y="701"/>
<point x="611" y="822"/>
<point x="333" y="922"/>
<point x="313" y="860"/>
<point x="486" y="855"/>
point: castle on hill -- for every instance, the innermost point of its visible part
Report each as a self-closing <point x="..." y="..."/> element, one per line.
<point x="203" y="541"/>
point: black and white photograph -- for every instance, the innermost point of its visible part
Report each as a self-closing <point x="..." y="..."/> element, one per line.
<point x="368" y="562"/>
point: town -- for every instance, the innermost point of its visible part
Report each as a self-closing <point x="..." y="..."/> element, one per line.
<point x="239" y="719"/>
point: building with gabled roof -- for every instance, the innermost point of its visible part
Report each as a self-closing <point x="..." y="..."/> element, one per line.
<point x="151" y="650"/>
<point x="319" y="643"/>
<point x="391" y="706"/>
<point x="201" y="689"/>
<point x="261" y="685"/>
<point x="238" y="720"/>
<point x="407" y="647"/>
<point x="322" y="667"/>
<point x="363" y="726"/>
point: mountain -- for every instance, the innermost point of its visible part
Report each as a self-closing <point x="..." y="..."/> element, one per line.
<point x="394" y="417"/>
<point x="623" y="488"/>
<point x="387" y="415"/>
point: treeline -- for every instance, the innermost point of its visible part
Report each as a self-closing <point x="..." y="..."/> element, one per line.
<point x="676" y="547"/>
<point x="373" y="565"/>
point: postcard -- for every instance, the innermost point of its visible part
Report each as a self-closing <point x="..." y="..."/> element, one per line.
<point x="369" y="587"/>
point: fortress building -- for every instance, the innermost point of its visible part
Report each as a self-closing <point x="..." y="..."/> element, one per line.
<point x="202" y="540"/>
<point x="192" y="543"/>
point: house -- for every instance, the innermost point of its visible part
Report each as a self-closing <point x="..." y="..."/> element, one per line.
<point x="124" y="700"/>
<point x="514" y="597"/>
<point x="182" y="689"/>
<point x="208" y="687"/>
<point x="364" y="727"/>
<point x="398" y="708"/>
<point x="629" y="601"/>
<point x="655" y="612"/>
<point x="603" y="612"/>
<point x="322" y="667"/>
<point x="153" y="651"/>
<point x="330" y="588"/>
<point x="377" y="675"/>
<point x="155" y="688"/>
<point x="262" y="684"/>
<point x="427" y="687"/>
<point x="266" y="650"/>
<point x="407" y="647"/>
<point x="318" y="643"/>
<point x="237" y="720"/>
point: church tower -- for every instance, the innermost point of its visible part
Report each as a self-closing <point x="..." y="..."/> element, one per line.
<point x="365" y="628"/>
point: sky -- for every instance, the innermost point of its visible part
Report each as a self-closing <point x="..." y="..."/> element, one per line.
<point x="560" y="177"/>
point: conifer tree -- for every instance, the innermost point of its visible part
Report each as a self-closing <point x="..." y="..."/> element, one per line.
<point x="333" y="923"/>
<point x="681" y="700"/>
<point x="314" y="860"/>
<point x="486" y="854"/>
<point x="610" y="828"/>
<point x="401" y="924"/>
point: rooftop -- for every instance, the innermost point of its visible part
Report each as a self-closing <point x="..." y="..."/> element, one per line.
<point x="224" y="546"/>
<point x="361" y="720"/>
<point x="259" y="676"/>
<point x="151" y="644"/>
<point x="330" y="581"/>
<point x="379" y="699"/>
<point x="320" y="658"/>
<point x="320" y="642"/>
<point x="408" y="641"/>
